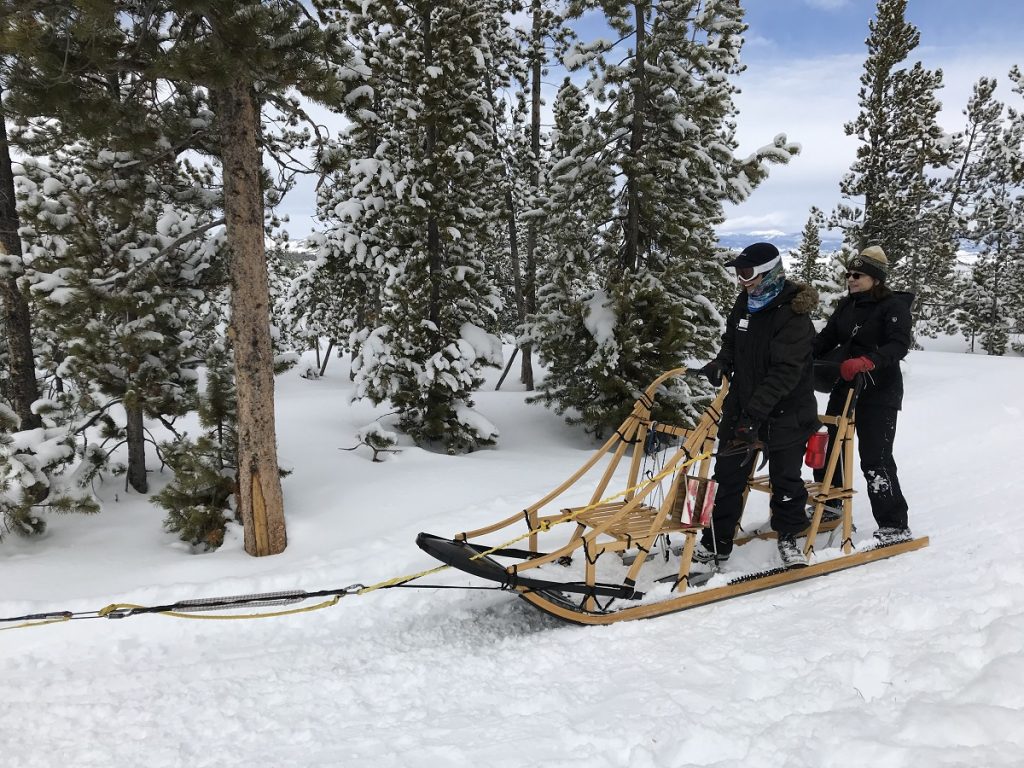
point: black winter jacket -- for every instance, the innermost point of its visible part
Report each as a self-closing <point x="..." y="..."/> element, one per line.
<point x="877" y="329"/>
<point x="767" y="355"/>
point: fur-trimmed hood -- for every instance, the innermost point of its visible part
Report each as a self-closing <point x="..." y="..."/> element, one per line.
<point x="805" y="300"/>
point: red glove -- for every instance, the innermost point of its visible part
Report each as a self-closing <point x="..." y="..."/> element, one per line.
<point x="850" y="368"/>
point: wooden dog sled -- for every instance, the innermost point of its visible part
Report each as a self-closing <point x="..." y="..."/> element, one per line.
<point x="628" y="554"/>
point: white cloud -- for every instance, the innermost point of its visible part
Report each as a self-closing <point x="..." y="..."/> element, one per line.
<point x="765" y="225"/>
<point x="828" y="5"/>
<point x="810" y="100"/>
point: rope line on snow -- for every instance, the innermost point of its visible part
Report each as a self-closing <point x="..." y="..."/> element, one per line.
<point x="186" y="609"/>
<point x="128" y="609"/>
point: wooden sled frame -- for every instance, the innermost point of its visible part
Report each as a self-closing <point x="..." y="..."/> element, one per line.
<point x="634" y="520"/>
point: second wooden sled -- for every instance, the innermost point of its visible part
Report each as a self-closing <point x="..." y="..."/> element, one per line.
<point x="611" y="558"/>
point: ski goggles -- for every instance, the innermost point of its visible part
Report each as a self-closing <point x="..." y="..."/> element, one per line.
<point x="749" y="274"/>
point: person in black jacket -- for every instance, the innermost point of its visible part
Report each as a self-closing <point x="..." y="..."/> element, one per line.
<point x="766" y="352"/>
<point x="872" y="328"/>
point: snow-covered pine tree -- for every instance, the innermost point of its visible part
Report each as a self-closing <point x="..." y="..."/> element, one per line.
<point x="1016" y="116"/>
<point x="329" y="301"/>
<point x="507" y="271"/>
<point x="118" y="275"/>
<point x="579" y="203"/>
<point x="663" y="140"/>
<point x="891" y="200"/>
<point x="283" y="269"/>
<point x="338" y="294"/>
<point x="36" y="472"/>
<point x="832" y="285"/>
<point x="989" y="188"/>
<point x="513" y="167"/>
<point x="198" y="499"/>
<point x="421" y="216"/>
<point x="983" y="117"/>
<point x="809" y="267"/>
<point x="927" y="263"/>
<point x="546" y="39"/>
<point x="37" y="442"/>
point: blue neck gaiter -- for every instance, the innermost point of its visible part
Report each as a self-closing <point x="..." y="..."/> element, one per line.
<point x="769" y="287"/>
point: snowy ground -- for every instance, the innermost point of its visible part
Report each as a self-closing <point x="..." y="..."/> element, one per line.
<point x="913" y="661"/>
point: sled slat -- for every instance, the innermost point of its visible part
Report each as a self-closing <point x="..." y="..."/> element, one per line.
<point x="633" y="524"/>
<point x="762" y="483"/>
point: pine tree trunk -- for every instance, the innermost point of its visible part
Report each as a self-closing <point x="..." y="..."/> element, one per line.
<point x="135" y="430"/>
<point x="530" y="278"/>
<point x="513" y="253"/>
<point x="260" y="499"/>
<point x="17" y="319"/>
<point x="630" y="260"/>
<point x="434" y="262"/>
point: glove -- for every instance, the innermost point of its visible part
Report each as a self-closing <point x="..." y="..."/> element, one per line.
<point x="850" y="368"/>
<point x="713" y="371"/>
<point x="747" y="428"/>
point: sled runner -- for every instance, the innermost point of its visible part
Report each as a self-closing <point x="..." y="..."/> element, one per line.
<point x="611" y="558"/>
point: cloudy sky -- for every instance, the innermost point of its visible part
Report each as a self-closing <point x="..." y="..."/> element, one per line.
<point x="804" y="59"/>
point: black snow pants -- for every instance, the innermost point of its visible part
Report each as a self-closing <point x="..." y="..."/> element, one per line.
<point x="876" y="432"/>
<point x="788" y="502"/>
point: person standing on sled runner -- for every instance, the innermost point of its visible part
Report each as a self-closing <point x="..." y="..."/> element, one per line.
<point x="871" y="330"/>
<point x="766" y="352"/>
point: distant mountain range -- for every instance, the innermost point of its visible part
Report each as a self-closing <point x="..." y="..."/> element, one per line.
<point x="781" y="240"/>
<point x="298" y="250"/>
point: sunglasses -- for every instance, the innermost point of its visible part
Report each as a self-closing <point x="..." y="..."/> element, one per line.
<point x="854" y="275"/>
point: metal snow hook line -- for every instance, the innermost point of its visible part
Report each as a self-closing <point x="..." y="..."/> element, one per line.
<point x="185" y="608"/>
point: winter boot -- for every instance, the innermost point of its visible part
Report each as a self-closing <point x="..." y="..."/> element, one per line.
<point x="792" y="554"/>
<point x="885" y="536"/>
<point x="705" y="556"/>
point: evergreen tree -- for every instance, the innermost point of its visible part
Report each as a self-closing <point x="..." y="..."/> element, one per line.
<point x="808" y="267"/>
<point x="198" y="499"/>
<point x="662" y="141"/>
<point x="40" y="469"/>
<point x="286" y="338"/>
<point x="339" y="293"/>
<point x="118" y="274"/>
<point x="548" y="37"/>
<point x="508" y="266"/>
<point x="417" y="216"/>
<point x="832" y="285"/>
<point x="989" y="190"/>
<point x="579" y="204"/>
<point x="1016" y="118"/>
<point x="892" y="201"/>
<point x="328" y="301"/>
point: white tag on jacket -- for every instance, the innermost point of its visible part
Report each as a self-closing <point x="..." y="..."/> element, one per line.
<point x="742" y="324"/>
